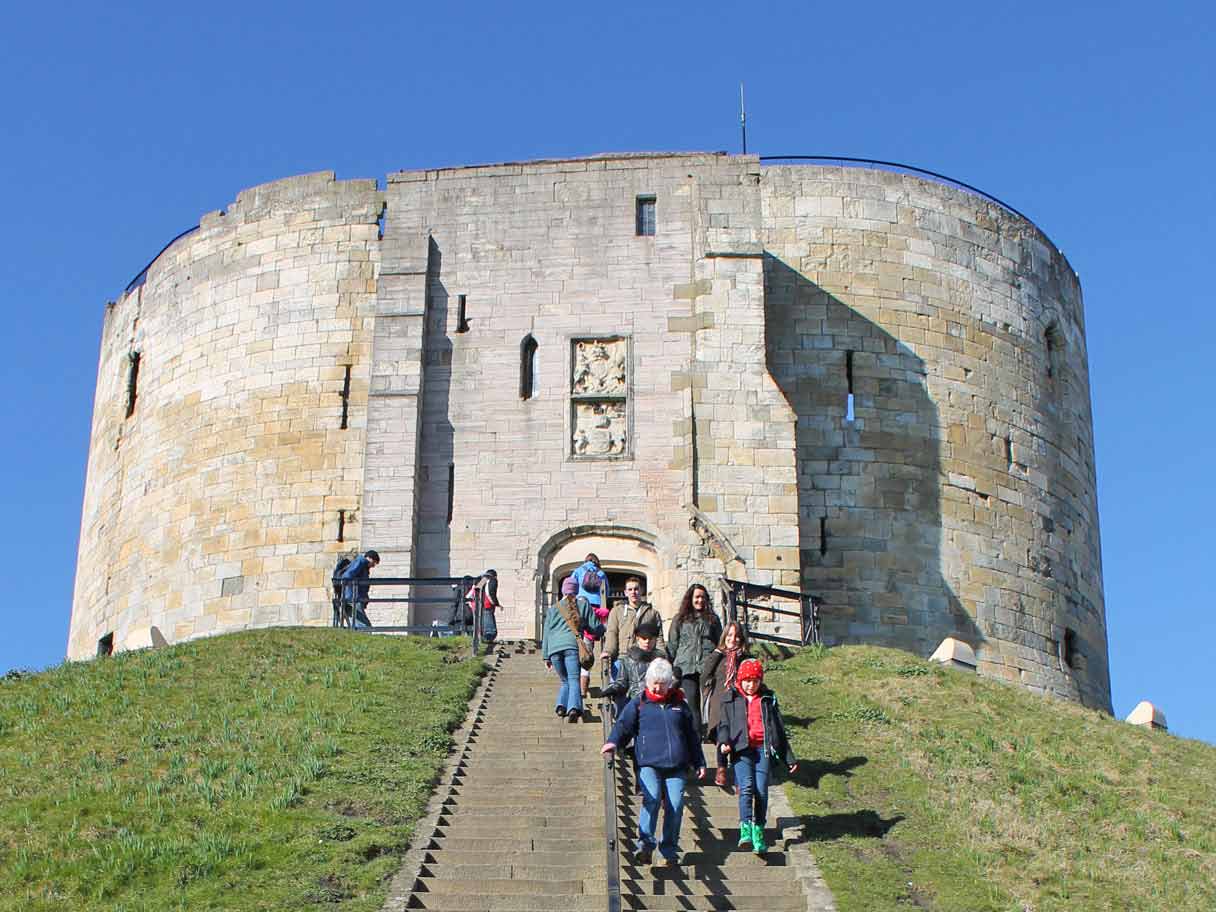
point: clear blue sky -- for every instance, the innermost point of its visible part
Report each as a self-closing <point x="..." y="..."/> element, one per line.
<point x="121" y="123"/>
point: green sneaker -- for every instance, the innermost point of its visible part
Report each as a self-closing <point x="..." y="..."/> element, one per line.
<point x="758" y="845"/>
<point x="745" y="833"/>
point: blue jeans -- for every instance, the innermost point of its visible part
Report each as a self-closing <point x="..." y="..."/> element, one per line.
<point x="489" y="628"/>
<point x="565" y="663"/>
<point x="667" y="786"/>
<point x="751" y="778"/>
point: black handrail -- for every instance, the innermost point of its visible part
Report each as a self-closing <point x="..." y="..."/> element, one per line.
<point x="143" y="273"/>
<point x="945" y="178"/>
<point x="612" y="848"/>
<point x="345" y="606"/>
<point x="738" y="601"/>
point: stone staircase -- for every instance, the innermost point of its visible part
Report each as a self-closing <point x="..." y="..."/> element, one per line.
<point x="517" y="821"/>
<point x="713" y="873"/>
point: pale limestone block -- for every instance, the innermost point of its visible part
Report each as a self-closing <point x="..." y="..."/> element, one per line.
<point x="1146" y="715"/>
<point x="955" y="653"/>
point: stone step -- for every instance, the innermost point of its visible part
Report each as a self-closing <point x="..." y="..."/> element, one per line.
<point x="446" y="902"/>
<point x="751" y="902"/>
<point x="590" y="867"/>
<point x="512" y="830"/>
<point x="544" y="843"/>
<point x="499" y="886"/>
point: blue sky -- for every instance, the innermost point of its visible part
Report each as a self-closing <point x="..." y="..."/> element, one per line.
<point x="122" y="123"/>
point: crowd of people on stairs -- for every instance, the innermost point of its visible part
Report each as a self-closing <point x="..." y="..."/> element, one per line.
<point x="699" y="684"/>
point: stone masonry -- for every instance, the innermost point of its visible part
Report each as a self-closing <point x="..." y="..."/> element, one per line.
<point x="862" y="382"/>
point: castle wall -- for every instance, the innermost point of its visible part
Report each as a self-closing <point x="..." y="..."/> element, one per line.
<point x="689" y="411"/>
<point x="550" y="250"/>
<point x="214" y="506"/>
<point x="961" y="498"/>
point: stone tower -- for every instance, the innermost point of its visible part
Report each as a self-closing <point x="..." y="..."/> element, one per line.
<point x="861" y="382"/>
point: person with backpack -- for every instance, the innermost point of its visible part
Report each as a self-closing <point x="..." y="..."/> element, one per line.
<point x="354" y="593"/>
<point x="488" y="585"/>
<point x="666" y="749"/>
<point x="694" y="633"/>
<point x="751" y="737"/>
<point x="564" y="649"/>
<point x="592" y="590"/>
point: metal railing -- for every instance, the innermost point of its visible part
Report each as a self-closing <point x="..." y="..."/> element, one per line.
<point x="611" y="824"/>
<point x="900" y="167"/>
<point x="743" y="598"/>
<point x="350" y="597"/>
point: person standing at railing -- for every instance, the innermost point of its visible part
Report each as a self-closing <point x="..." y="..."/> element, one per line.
<point x="751" y="736"/>
<point x="564" y="649"/>
<point x="718" y="675"/>
<point x="694" y="633"/>
<point x="354" y="592"/>
<point x="667" y="749"/>
<point x="487" y="584"/>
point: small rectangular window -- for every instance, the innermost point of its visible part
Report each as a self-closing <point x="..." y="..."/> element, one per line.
<point x="645" y="216"/>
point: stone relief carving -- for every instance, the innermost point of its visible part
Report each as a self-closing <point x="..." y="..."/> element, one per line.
<point x="599" y="428"/>
<point x="599" y="367"/>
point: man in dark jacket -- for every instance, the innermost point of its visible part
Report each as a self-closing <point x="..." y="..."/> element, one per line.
<point x="632" y="678"/>
<point x="354" y="594"/>
<point x="667" y="749"/>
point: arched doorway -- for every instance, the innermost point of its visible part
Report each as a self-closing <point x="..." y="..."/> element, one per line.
<point x="623" y="552"/>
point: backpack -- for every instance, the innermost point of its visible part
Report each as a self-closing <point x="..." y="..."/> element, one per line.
<point x="590" y="580"/>
<point x="341" y="565"/>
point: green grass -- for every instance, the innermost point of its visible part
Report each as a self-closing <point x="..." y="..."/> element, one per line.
<point x="929" y="788"/>
<point x="267" y="770"/>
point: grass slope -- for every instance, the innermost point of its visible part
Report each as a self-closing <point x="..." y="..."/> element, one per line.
<point x="931" y="788"/>
<point x="266" y="770"/>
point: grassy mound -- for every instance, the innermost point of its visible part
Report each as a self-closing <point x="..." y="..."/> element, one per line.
<point x="266" y="770"/>
<point x="929" y="788"/>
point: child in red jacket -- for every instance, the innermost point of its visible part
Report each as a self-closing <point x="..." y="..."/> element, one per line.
<point x="751" y="735"/>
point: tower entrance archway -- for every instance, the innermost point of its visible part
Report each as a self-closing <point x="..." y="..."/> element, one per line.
<point x="623" y="552"/>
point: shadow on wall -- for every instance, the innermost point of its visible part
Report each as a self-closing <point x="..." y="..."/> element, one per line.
<point x="436" y="434"/>
<point x="869" y="466"/>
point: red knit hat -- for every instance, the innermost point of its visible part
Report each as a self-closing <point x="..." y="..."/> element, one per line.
<point x="750" y="669"/>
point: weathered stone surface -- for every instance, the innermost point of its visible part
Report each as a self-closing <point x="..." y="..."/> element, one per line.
<point x="864" y="383"/>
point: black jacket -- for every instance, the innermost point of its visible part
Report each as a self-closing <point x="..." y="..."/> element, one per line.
<point x="633" y="673"/>
<point x="732" y="727"/>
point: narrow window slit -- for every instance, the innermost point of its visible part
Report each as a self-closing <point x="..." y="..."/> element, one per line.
<point x="462" y="317"/>
<point x="1009" y="450"/>
<point x="341" y="525"/>
<point x="451" y="490"/>
<point x="527" y="367"/>
<point x="848" y="373"/>
<point x="345" y="400"/>
<point x="1054" y="344"/>
<point x="1068" y="651"/>
<point x="823" y="535"/>
<point x="380" y="223"/>
<point x="132" y="381"/>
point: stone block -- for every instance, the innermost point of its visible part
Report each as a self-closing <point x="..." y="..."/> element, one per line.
<point x="1146" y="715"/>
<point x="956" y="654"/>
